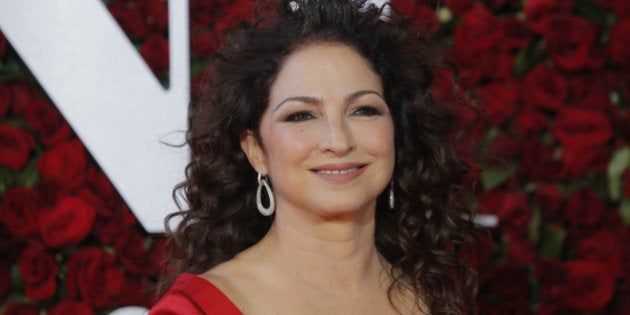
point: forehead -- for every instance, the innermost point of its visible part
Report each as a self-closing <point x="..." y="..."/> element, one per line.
<point x="324" y="69"/>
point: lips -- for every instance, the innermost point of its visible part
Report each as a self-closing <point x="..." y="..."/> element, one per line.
<point x="339" y="172"/>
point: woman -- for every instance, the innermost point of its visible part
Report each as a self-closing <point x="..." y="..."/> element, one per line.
<point x="322" y="119"/>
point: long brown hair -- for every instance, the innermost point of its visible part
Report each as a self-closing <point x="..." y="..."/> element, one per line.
<point x="421" y="238"/>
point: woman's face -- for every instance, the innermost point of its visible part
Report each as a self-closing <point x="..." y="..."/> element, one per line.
<point x="327" y="133"/>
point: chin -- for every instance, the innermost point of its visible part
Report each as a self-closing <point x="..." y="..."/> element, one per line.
<point x="346" y="209"/>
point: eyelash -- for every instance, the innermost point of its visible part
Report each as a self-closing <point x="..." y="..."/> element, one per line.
<point x="299" y="116"/>
<point x="367" y="111"/>
<point x="359" y="111"/>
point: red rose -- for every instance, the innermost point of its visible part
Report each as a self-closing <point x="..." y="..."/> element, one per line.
<point x="605" y="4"/>
<point x="597" y="57"/>
<point x="477" y="64"/>
<point x="510" y="207"/>
<point x="581" y="128"/>
<point x="598" y="99"/>
<point x="478" y="30"/>
<point x="602" y="247"/>
<point x="426" y="19"/>
<point x="625" y="85"/>
<point x="545" y="88"/>
<point x="70" y="307"/>
<point x="625" y="255"/>
<point x="203" y="44"/>
<point x="577" y="162"/>
<point x="98" y="191"/>
<point x="443" y="87"/>
<point x="131" y="250"/>
<point x="459" y="7"/>
<point x="95" y="277"/>
<point x="619" y="45"/>
<point x="64" y="164"/>
<point x="551" y="274"/>
<point x="107" y="229"/>
<point x="584" y="208"/>
<point x="501" y="152"/>
<point x="68" y="223"/>
<point x="520" y="250"/>
<point x="201" y="14"/>
<point x="537" y="10"/>
<point x="569" y="40"/>
<point x="476" y="256"/>
<point x="20" y="211"/>
<point x="14" y="308"/>
<point x="44" y="118"/>
<point x="131" y="21"/>
<point x="5" y="277"/>
<point x="622" y="8"/>
<point x="155" y="14"/>
<point x="529" y="122"/>
<point x="551" y="202"/>
<point x="15" y="147"/>
<point x="537" y="161"/>
<point x="5" y="99"/>
<point x="135" y="291"/>
<point x="514" y="213"/>
<point x="155" y="53"/>
<point x="509" y="280"/>
<point x="516" y="35"/>
<point x="39" y="272"/>
<point x="422" y="15"/>
<point x="588" y="93"/>
<point x="22" y="94"/>
<point x="499" y="100"/>
<point x="4" y="44"/>
<point x="589" y="285"/>
<point x="234" y="13"/>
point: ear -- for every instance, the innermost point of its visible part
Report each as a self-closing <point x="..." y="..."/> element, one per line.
<point x="254" y="151"/>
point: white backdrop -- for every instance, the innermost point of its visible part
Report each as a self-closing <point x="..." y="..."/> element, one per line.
<point x="110" y="97"/>
<point x="108" y="94"/>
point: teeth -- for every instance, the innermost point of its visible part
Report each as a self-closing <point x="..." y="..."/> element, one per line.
<point x="338" y="172"/>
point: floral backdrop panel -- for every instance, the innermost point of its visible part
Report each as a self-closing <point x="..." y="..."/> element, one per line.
<point x="549" y="84"/>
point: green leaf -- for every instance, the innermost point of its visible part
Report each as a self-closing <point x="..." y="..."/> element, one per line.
<point x="528" y="58"/>
<point x="534" y="226"/>
<point x="551" y="241"/>
<point x="624" y="211"/>
<point x="16" y="122"/>
<point x="491" y="178"/>
<point x="591" y="11"/>
<point x="28" y="176"/>
<point x="617" y="166"/>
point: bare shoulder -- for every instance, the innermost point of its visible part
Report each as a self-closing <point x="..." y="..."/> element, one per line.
<point x="234" y="278"/>
<point x="227" y="276"/>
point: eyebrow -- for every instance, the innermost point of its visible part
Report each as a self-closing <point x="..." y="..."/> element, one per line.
<point x="314" y="100"/>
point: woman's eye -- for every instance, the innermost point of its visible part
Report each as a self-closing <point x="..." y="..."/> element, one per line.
<point x="299" y="116"/>
<point x="366" y="111"/>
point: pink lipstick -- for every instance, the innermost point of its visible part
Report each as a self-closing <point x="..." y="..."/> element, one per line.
<point x="339" y="173"/>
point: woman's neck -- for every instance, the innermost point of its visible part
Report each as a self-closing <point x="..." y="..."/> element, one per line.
<point x="336" y="252"/>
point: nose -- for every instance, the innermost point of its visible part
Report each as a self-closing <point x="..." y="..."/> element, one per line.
<point x="336" y="137"/>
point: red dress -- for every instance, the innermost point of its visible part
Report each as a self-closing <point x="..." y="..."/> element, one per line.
<point x="191" y="294"/>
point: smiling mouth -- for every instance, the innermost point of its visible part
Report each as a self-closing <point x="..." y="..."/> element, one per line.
<point x="339" y="172"/>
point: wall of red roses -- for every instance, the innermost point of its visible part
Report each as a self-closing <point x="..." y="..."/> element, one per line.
<point x="551" y="80"/>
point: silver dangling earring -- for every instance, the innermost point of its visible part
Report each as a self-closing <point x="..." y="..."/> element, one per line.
<point x="262" y="182"/>
<point x="391" y="195"/>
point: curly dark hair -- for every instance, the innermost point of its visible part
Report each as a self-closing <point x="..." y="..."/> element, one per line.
<point x="430" y="226"/>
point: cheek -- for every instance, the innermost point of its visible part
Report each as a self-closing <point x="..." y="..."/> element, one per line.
<point x="289" y="144"/>
<point x="378" y="138"/>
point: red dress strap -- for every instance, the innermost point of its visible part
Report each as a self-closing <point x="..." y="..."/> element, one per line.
<point x="191" y="294"/>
